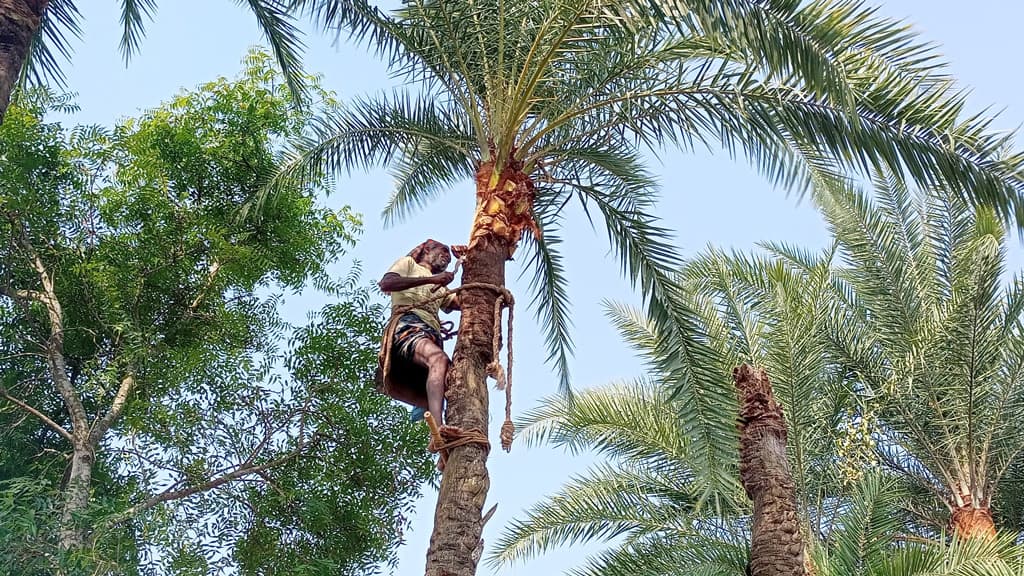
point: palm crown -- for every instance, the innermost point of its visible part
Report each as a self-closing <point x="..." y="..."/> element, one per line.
<point x="568" y="94"/>
<point x="933" y="339"/>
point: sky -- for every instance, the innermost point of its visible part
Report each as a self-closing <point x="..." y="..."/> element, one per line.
<point x="706" y="198"/>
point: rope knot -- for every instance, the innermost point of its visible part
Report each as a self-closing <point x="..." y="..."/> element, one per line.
<point x="508" y="430"/>
<point x="449" y="437"/>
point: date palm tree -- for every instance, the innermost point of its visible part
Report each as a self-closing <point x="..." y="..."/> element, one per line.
<point x="675" y="434"/>
<point x="668" y="513"/>
<point x="936" y="343"/>
<point x="35" y="33"/>
<point x="540" y="103"/>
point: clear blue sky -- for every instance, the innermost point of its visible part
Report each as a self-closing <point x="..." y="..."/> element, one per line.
<point x="707" y="199"/>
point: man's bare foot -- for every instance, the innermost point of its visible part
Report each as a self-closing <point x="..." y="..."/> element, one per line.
<point x="442" y="459"/>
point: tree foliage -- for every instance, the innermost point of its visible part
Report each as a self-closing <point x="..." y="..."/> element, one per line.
<point x="223" y="436"/>
<point x="894" y="355"/>
<point x="61" y="24"/>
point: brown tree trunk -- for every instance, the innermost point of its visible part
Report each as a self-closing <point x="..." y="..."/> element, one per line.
<point x="504" y="205"/>
<point x="465" y="483"/>
<point x="776" y="544"/>
<point x="19" y="21"/>
<point x="76" y="495"/>
<point x="970" y="522"/>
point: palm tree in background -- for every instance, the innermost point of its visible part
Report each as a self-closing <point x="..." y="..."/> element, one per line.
<point x="541" y="103"/>
<point x="654" y="497"/>
<point x="35" y="33"/>
<point x="936" y="345"/>
<point x="675" y="434"/>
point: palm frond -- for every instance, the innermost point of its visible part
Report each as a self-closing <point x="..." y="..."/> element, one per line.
<point x="134" y="14"/>
<point x="725" y="555"/>
<point x="866" y="528"/>
<point x="278" y="26"/>
<point x="604" y="504"/>
<point x="59" y="24"/>
<point x="684" y="359"/>
<point x="421" y="175"/>
<point x="551" y="292"/>
<point x="636" y="329"/>
<point x="971" y="557"/>
<point x="381" y="131"/>
<point x="625" y="422"/>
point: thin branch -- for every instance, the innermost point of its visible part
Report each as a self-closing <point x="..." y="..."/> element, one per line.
<point x="169" y="495"/>
<point x="17" y="294"/>
<point x="46" y="420"/>
<point x="101" y="426"/>
<point x="214" y="268"/>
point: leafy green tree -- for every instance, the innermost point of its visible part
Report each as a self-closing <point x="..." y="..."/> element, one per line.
<point x="543" y="102"/>
<point x="141" y="385"/>
<point x="342" y="506"/>
<point x="36" y="33"/>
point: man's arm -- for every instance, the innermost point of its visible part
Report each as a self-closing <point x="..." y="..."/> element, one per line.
<point x="393" y="282"/>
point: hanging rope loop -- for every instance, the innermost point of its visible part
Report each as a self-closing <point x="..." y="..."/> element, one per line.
<point x="502" y="378"/>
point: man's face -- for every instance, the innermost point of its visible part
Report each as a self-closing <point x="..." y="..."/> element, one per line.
<point x="437" y="259"/>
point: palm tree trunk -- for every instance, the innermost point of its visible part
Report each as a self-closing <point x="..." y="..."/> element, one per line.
<point x="776" y="543"/>
<point x="19" y="21"/>
<point x="970" y="522"/>
<point x="457" y="519"/>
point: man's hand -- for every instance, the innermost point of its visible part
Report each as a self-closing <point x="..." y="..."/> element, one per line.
<point x="444" y="278"/>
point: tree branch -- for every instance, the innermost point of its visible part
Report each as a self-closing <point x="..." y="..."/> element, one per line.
<point x="55" y="345"/>
<point x="101" y="426"/>
<point x="214" y="268"/>
<point x="46" y="420"/>
<point x="168" y="495"/>
<point x="17" y="294"/>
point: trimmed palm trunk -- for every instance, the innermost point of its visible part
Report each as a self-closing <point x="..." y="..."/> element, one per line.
<point x="19" y="22"/>
<point x="969" y="521"/>
<point x="776" y="544"/>
<point x="504" y="205"/>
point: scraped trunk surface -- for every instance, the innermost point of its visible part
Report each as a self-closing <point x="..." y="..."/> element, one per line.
<point x="19" y="21"/>
<point x="776" y="547"/>
<point x="455" y="543"/>
<point x="971" y="522"/>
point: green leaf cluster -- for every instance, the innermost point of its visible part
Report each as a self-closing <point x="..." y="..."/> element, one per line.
<point x="163" y="276"/>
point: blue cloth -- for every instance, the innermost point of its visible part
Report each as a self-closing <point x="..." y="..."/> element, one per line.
<point x="417" y="414"/>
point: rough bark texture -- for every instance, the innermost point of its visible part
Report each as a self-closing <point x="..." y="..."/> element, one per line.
<point x="457" y="519"/>
<point x="76" y="494"/>
<point x="776" y="547"/>
<point x="971" y="522"/>
<point x="19" y="21"/>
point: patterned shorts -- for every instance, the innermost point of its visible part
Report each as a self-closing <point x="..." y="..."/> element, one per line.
<point x="408" y="332"/>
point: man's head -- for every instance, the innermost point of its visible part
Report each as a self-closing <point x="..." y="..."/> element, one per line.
<point x="432" y="254"/>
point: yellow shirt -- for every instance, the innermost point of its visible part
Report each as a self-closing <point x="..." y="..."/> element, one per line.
<point x="406" y="266"/>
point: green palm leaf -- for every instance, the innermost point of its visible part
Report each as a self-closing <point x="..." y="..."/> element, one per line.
<point x="61" y="21"/>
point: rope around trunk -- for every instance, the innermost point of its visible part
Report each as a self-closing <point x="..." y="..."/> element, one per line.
<point x="453" y="436"/>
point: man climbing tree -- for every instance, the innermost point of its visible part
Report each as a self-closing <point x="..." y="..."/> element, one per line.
<point x="413" y="343"/>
